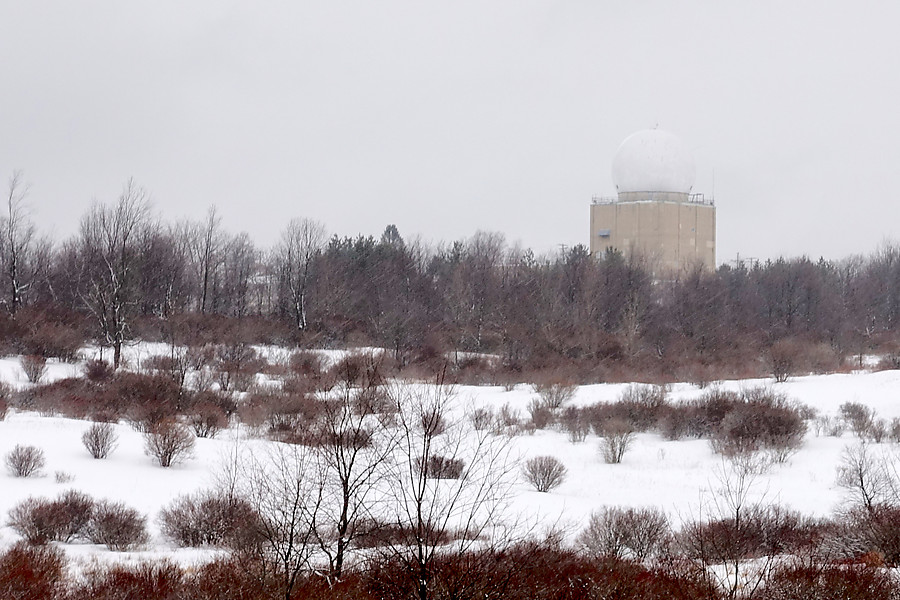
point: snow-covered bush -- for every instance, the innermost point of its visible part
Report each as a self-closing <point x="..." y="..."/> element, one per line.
<point x="169" y="443"/>
<point x="117" y="526"/>
<point x="544" y="473"/>
<point x="100" y="439"/>
<point x="25" y="461"/>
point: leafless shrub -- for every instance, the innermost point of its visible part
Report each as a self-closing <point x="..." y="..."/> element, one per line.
<point x="34" y="366"/>
<point x="617" y="438"/>
<point x="98" y="371"/>
<point x="783" y="357"/>
<point x="32" y="519"/>
<point x="206" y="519"/>
<point x="555" y="392"/>
<point x="30" y="572"/>
<point x="544" y="473"/>
<point x="100" y="439"/>
<point x="575" y="424"/>
<point x="441" y="467"/>
<point x="63" y="477"/>
<point x="893" y="428"/>
<point x="25" y="461"/>
<point x="207" y="420"/>
<point x="117" y="526"/>
<point x="877" y="431"/>
<point x="4" y="407"/>
<point x="759" y="420"/>
<point x="864" y="476"/>
<point x="432" y="421"/>
<point x="237" y="365"/>
<point x="859" y="416"/>
<point x="541" y="415"/>
<point x="638" y="533"/>
<point x="40" y="521"/>
<point x="802" y="580"/>
<point x="642" y="405"/>
<point x="508" y="420"/>
<point x="482" y="419"/>
<point x="829" y="426"/>
<point x="169" y="443"/>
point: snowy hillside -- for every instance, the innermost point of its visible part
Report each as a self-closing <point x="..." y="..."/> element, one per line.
<point x="678" y="477"/>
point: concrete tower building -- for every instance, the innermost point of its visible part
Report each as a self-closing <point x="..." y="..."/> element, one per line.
<point x="656" y="214"/>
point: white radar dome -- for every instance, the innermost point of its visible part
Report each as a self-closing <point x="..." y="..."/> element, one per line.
<point x="653" y="161"/>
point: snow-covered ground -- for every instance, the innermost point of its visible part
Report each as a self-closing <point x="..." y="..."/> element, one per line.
<point x="676" y="476"/>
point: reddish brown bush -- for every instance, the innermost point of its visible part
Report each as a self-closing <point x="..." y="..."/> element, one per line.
<point x="207" y="419"/>
<point x="98" y="371"/>
<point x="39" y="520"/>
<point x="762" y="531"/>
<point x="148" y="399"/>
<point x="229" y="579"/>
<point x="32" y="572"/>
<point x="117" y="526"/>
<point x="761" y="420"/>
<point x="147" y="581"/>
<point x="541" y="416"/>
<point x="829" y="582"/>
<point x="75" y="398"/>
<point x="4" y="407"/>
<point x="237" y="365"/>
<point x="207" y="519"/>
<point x="169" y="443"/>
<point x="359" y="369"/>
<point x="51" y="336"/>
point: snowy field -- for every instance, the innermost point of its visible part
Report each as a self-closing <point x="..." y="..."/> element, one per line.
<point x="677" y="476"/>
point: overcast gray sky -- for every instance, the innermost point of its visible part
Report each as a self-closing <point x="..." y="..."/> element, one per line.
<point x="449" y="117"/>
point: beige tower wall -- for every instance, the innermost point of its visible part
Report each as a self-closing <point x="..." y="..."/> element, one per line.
<point x="672" y="234"/>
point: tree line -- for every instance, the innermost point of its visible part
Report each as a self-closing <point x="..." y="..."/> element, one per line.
<point x="128" y="273"/>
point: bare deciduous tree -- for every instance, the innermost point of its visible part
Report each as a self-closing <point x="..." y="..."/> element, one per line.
<point x="864" y="476"/>
<point x="352" y="448"/>
<point x="433" y="515"/>
<point x="23" y="255"/>
<point x="301" y="240"/>
<point x="284" y="484"/>
<point x="205" y="250"/>
<point x="110" y="255"/>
